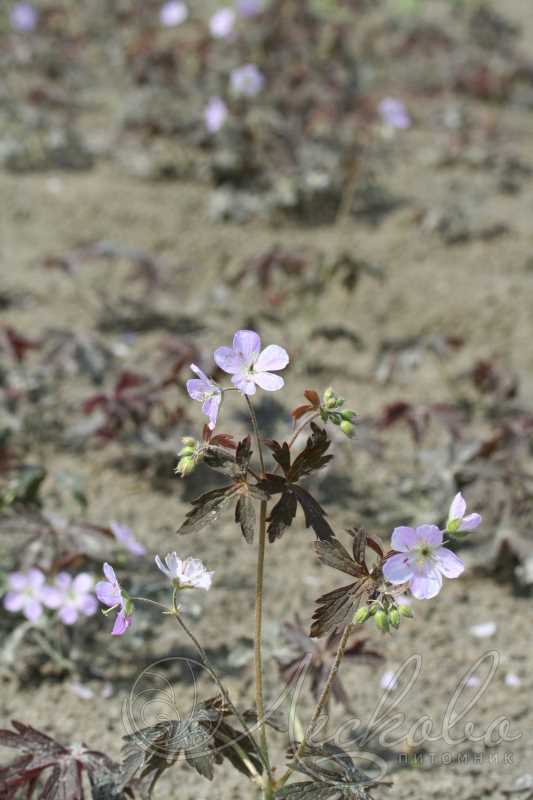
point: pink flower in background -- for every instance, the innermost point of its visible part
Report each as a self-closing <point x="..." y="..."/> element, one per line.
<point x="23" y="17"/>
<point x="457" y="521"/>
<point x="251" y="367"/>
<point x="388" y="680"/>
<point x="215" y="114"/>
<point x="125" y="536"/>
<point x="187" y="574"/>
<point x="25" y="593"/>
<point x="250" y="8"/>
<point x="111" y="595"/>
<point x="512" y="679"/>
<point x="207" y="392"/>
<point x="222" y="22"/>
<point x="247" y="80"/>
<point x="71" y="597"/>
<point x="394" y="113"/>
<point x="422" y="560"/>
<point x="173" y="13"/>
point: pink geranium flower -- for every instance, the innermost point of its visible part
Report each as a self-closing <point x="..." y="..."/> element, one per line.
<point x="251" y="367"/>
<point x="222" y="22"/>
<point x="24" y="17"/>
<point x="250" y="8"/>
<point x="457" y="521"/>
<point x="173" y="13"/>
<point x="422" y="561"/>
<point x="247" y="81"/>
<point x="125" y="537"/>
<point x="215" y="114"/>
<point x="185" y="574"/>
<point x="25" y="593"/>
<point x="71" y="597"/>
<point x="394" y="113"/>
<point x="111" y="595"/>
<point x="207" y="392"/>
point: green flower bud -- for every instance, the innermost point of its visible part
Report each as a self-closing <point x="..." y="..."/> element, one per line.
<point x="185" y="466"/>
<point x="340" y="402"/>
<point x="186" y="451"/>
<point x="188" y="441"/>
<point x="394" y="617"/>
<point x="330" y="398"/>
<point x="348" y="415"/>
<point x="382" y="620"/>
<point x="406" y="611"/>
<point x="361" y="615"/>
<point x="347" y="428"/>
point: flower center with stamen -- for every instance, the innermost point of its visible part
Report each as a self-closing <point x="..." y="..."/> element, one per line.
<point x="424" y="554"/>
<point x="249" y="368"/>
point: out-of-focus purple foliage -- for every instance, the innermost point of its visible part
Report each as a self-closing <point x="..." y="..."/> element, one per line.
<point x="46" y="770"/>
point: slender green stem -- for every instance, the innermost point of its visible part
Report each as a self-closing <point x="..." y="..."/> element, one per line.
<point x="298" y="430"/>
<point x="255" y="427"/>
<point x="207" y="663"/>
<point x="322" y="700"/>
<point x="165" y="609"/>
<point x="259" y="588"/>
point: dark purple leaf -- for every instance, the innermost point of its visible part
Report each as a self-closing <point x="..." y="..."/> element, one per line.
<point x="315" y="516"/>
<point x="207" y="508"/>
<point x="52" y="770"/>
<point x="282" y="515"/>
<point x="313" y="456"/>
<point x="245" y="517"/>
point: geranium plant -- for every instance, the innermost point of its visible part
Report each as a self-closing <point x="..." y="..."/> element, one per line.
<point x="266" y="494"/>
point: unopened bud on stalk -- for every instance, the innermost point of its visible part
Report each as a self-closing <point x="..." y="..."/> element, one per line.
<point x="188" y="441"/>
<point x="348" y="415"/>
<point x="347" y="428"/>
<point x="406" y="611"/>
<point x="330" y="398"/>
<point x="394" y="617"/>
<point x="186" y="451"/>
<point x="361" y="615"/>
<point x="185" y="466"/>
<point x="382" y="620"/>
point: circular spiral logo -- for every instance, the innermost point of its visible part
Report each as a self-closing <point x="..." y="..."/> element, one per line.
<point x="158" y="718"/>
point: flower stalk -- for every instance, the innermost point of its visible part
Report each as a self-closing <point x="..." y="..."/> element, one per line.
<point x="207" y="663"/>
<point x="322" y="700"/>
<point x="259" y="589"/>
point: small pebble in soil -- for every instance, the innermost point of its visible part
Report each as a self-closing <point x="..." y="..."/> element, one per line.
<point x="483" y="630"/>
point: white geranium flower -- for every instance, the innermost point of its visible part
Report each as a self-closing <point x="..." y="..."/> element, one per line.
<point x="189" y="573"/>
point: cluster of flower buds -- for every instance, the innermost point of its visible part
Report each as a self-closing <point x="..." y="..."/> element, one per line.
<point x="190" y="456"/>
<point x="387" y="614"/>
<point x="330" y="411"/>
